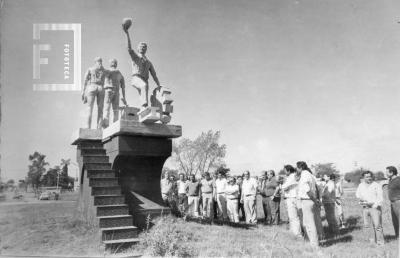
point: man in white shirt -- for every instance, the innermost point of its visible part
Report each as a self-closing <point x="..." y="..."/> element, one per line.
<point x="289" y="188"/>
<point x="339" y="203"/>
<point x="232" y="200"/>
<point x="309" y="196"/>
<point x="220" y="187"/>
<point x="248" y="198"/>
<point x="182" y="197"/>
<point x="370" y="197"/>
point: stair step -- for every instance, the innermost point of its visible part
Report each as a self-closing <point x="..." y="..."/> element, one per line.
<point x="101" y="173"/>
<point x="101" y="200"/>
<point x="110" y="210"/>
<point x="91" y="145"/>
<point x="115" y="221"/>
<point x="94" y="159"/>
<point x="116" y="233"/>
<point x="106" y="190"/>
<point x="98" y="166"/>
<point x="97" y="152"/>
<point x="103" y="182"/>
<point x="117" y="244"/>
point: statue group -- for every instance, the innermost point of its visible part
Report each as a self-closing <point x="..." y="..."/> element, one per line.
<point x="104" y="85"/>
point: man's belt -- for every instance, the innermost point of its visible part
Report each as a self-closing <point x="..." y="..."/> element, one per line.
<point x="109" y="88"/>
<point x="194" y="195"/>
<point x="233" y="198"/>
<point x="305" y="199"/>
<point x="221" y="193"/>
<point x="206" y="192"/>
<point x="247" y="195"/>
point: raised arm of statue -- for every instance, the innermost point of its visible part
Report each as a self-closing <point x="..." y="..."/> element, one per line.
<point x="131" y="52"/>
<point x="154" y="75"/>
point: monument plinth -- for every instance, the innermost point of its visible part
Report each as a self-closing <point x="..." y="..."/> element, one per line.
<point x="121" y="170"/>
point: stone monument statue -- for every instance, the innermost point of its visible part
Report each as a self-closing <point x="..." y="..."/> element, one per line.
<point x="114" y="81"/>
<point x="93" y="90"/>
<point x="141" y="66"/>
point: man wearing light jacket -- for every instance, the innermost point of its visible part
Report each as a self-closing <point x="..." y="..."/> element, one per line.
<point x="370" y="197"/>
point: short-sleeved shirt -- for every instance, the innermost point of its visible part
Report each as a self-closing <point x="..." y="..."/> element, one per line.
<point x="114" y="80"/>
<point x="307" y="184"/>
<point x="166" y="186"/>
<point x="220" y="185"/>
<point x="140" y="65"/>
<point x="193" y="188"/>
<point x="207" y="186"/>
<point x="232" y="191"/>
<point x="95" y="76"/>
<point x="182" y="185"/>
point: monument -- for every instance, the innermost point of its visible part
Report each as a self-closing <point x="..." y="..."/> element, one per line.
<point x="121" y="164"/>
<point x="93" y="90"/>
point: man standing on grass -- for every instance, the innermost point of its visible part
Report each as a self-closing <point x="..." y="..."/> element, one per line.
<point x="239" y="182"/>
<point x="248" y="198"/>
<point x="271" y="201"/>
<point x="308" y="194"/>
<point x="192" y="189"/>
<point x="394" y="196"/>
<point x="166" y="186"/>
<point x="370" y="197"/>
<point x="328" y="200"/>
<point x="220" y="187"/>
<point x="206" y="189"/>
<point x="182" y="197"/>
<point x="339" y="202"/>
<point x="232" y="197"/>
<point x="290" y="190"/>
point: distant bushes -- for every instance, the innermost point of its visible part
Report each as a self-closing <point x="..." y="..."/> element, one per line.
<point x="166" y="238"/>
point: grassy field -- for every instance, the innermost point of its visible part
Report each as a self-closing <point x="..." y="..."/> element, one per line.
<point x="50" y="228"/>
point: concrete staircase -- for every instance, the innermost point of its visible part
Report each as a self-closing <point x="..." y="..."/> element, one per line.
<point x="114" y="220"/>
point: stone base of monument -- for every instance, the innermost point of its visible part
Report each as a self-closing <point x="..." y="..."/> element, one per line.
<point x="120" y="176"/>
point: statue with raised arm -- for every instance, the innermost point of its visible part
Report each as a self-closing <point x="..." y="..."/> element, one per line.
<point x="93" y="90"/>
<point x="141" y="66"/>
<point x="114" y="81"/>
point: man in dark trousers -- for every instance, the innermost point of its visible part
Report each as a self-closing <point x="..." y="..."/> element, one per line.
<point x="394" y="196"/>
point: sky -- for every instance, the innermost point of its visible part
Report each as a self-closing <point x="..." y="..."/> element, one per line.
<point x="287" y="80"/>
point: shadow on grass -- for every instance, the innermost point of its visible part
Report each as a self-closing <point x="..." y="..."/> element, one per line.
<point x="390" y="238"/>
<point x="333" y="241"/>
<point x="219" y="222"/>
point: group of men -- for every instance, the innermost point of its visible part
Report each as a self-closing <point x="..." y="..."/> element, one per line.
<point x="305" y="195"/>
<point x="103" y="85"/>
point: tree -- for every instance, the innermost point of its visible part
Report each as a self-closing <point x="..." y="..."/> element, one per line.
<point x="201" y="155"/>
<point x="36" y="169"/>
<point x="64" y="178"/>
<point x="51" y="177"/>
<point x="223" y="170"/>
<point x="322" y="169"/>
<point x="171" y="172"/>
<point x="379" y="175"/>
<point x="354" y="176"/>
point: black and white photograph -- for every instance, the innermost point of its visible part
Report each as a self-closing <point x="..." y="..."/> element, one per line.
<point x="199" y="128"/>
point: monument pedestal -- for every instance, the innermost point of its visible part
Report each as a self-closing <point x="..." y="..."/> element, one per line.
<point x="137" y="152"/>
<point x="121" y="170"/>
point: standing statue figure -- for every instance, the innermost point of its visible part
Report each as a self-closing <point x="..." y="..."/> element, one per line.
<point x="141" y="66"/>
<point x="113" y="82"/>
<point x="93" y="89"/>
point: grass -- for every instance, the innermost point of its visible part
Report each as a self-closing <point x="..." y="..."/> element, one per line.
<point x="50" y="229"/>
<point x="46" y="229"/>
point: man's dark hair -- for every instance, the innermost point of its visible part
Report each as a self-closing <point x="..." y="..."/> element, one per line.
<point x="303" y="166"/>
<point x="392" y="170"/>
<point x="272" y="172"/>
<point x="332" y="176"/>
<point x="206" y="174"/>
<point x="367" y="172"/>
<point x="289" y="168"/>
